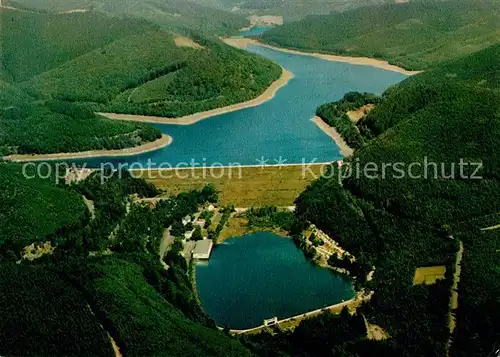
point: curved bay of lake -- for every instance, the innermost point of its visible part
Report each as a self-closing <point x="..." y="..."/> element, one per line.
<point x="281" y="127"/>
<point x="263" y="275"/>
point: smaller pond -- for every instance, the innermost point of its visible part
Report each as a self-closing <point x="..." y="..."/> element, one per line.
<point x="254" y="31"/>
<point x="262" y="275"/>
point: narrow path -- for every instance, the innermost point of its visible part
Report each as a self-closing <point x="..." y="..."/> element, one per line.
<point x="491" y="228"/>
<point x="244" y="209"/>
<point x="75" y="11"/>
<point x="116" y="349"/>
<point x="131" y="94"/>
<point x="454" y="297"/>
<point x="15" y="8"/>
<point x="374" y="332"/>
<point x="166" y="242"/>
<point x="90" y="206"/>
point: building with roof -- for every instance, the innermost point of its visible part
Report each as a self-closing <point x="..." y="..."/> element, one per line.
<point x="271" y="322"/>
<point x="188" y="234"/>
<point x="203" y="249"/>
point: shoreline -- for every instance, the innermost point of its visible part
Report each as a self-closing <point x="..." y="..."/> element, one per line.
<point x="164" y="141"/>
<point x="345" y="150"/>
<point x="267" y="95"/>
<point x="361" y="61"/>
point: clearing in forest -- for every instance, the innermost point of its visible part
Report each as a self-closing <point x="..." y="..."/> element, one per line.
<point x="181" y="41"/>
<point x="429" y="275"/>
<point x="356" y="115"/>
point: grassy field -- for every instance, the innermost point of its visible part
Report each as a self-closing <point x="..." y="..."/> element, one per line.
<point x="238" y="226"/>
<point x="428" y="275"/>
<point x="243" y="187"/>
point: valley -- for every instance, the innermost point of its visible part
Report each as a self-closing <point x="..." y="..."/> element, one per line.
<point x="325" y="186"/>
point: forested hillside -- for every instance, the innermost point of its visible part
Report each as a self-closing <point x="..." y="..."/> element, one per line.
<point x="66" y="127"/>
<point x="11" y="95"/>
<point x="35" y="210"/>
<point x="36" y="43"/>
<point x="43" y="315"/>
<point x="171" y="14"/>
<point x="58" y="68"/>
<point x="478" y="308"/>
<point x="102" y="281"/>
<point x="416" y="35"/>
<point x="479" y="71"/>
<point x="158" y="77"/>
<point x="416" y="201"/>
<point x="291" y="10"/>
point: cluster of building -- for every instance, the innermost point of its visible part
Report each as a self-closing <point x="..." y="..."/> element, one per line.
<point x="202" y="248"/>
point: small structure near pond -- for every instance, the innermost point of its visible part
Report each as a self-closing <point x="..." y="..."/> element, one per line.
<point x="271" y="322"/>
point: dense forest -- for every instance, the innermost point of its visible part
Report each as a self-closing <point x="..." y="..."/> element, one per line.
<point x="290" y="10"/>
<point x="151" y="311"/>
<point x="158" y="78"/>
<point x="479" y="71"/>
<point x="335" y="115"/>
<point x="322" y="336"/>
<point x="414" y="35"/>
<point x="34" y="210"/>
<point x="35" y="43"/>
<point x="43" y="315"/>
<point x="59" y="68"/>
<point x="66" y="127"/>
<point x="478" y="324"/>
<point x="399" y="220"/>
<point x="138" y="311"/>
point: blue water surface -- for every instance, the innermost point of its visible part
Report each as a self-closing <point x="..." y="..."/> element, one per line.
<point x="262" y="275"/>
<point x="281" y="127"/>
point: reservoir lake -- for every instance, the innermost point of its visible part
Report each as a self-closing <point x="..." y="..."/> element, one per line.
<point x="262" y="275"/>
<point x="278" y="130"/>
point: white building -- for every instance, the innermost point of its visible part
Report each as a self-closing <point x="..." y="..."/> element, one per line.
<point x="271" y="322"/>
<point x="186" y="220"/>
<point x="188" y="234"/>
<point x="203" y="249"/>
